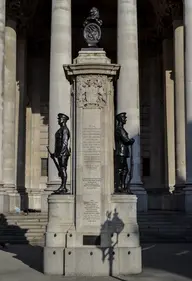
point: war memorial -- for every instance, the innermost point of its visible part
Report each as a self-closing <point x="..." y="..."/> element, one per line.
<point x="95" y="129"/>
<point x="92" y="229"/>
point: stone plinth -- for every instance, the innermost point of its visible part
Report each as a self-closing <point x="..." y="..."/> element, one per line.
<point x="60" y="221"/>
<point x="99" y="236"/>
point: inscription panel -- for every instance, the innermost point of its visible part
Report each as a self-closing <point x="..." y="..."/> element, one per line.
<point x="91" y="213"/>
<point x="91" y="147"/>
<point x="91" y="150"/>
<point x="91" y="160"/>
<point x="91" y="183"/>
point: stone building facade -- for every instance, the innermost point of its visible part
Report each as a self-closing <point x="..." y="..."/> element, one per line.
<point x="146" y="37"/>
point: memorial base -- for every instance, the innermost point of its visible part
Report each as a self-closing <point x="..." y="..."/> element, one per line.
<point x="112" y="248"/>
<point x="92" y="261"/>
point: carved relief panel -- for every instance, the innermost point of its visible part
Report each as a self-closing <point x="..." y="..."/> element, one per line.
<point x="92" y="91"/>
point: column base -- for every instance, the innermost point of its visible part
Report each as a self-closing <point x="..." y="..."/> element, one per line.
<point x="34" y="199"/>
<point x="4" y="201"/>
<point x="140" y="192"/>
<point x="179" y="199"/>
<point x="14" y="199"/>
<point x="188" y="198"/>
<point x="160" y="199"/>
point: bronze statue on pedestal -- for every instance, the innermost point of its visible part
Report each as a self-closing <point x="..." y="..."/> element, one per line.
<point x="122" y="153"/>
<point x="62" y="152"/>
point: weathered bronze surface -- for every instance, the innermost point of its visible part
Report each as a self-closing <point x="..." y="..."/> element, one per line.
<point x="122" y="153"/>
<point x="62" y="152"/>
<point x="92" y="30"/>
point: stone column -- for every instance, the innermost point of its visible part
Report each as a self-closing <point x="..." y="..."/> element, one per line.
<point x="156" y="122"/>
<point x="3" y="196"/>
<point x="59" y="95"/>
<point x="20" y="114"/>
<point x="180" y="152"/>
<point x="59" y="89"/>
<point x="188" y="101"/>
<point x="154" y="86"/>
<point x="9" y="167"/>
<point x="128" y="86"/>
<point x="169" y="114"/>
<point x="34" y="193"/>
<point x="28" y="134"/>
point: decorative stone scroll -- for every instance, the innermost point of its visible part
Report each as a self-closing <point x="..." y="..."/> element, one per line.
<point x="92" y="91"/>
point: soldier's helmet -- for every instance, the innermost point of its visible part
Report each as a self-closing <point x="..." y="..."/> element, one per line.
<point x="120" y="115"/>
<point x="62" y="116"/>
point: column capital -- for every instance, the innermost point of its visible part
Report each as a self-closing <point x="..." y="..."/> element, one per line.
<point x="176" y="10"/>
<point x="177" y="23"/>
<point x="21" y="11"/>
<point x="169" y="9"/>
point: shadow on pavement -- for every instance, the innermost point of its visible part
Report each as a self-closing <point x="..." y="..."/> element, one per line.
<point x="29" y="255"/>
<point x="13" y="240"/>
<point x="172" y="258"/>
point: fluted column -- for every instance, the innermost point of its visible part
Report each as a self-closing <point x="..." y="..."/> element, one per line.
<point x="20" y="114"/>
<point x="3" y="197"/>
<point x="169" y="114"/>
<point x="188" y="101"/>
<point x="59" y="92"/>
<point x="9" y="160"/>
<point x="128" y="86"/>
<point x="34" y="194"/>
<point x="180" y="157"/>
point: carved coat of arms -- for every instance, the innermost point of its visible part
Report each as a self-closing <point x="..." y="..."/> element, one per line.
<point x="92" y="91"/>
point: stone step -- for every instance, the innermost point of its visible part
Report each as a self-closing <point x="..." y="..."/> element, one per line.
<point x="24" y="220"/>
<point x="15" y="231"/>
<point x="155" y="227"/>
<point x="29" y="224"/>
<point x="20" y="217"/>
<point x="12" y="241"/>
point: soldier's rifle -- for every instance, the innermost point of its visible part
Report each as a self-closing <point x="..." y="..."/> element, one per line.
<point x="54" y="160"/>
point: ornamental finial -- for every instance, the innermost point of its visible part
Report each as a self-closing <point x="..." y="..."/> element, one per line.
<point x="92" y="30"/>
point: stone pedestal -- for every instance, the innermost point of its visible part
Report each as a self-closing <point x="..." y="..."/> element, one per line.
<point x="99" y="235"/>
<point x="60" y="221"/>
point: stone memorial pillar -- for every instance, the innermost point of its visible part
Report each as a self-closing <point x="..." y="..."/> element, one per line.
<point x="128" y="87"/>
<point x="92" y="232"/>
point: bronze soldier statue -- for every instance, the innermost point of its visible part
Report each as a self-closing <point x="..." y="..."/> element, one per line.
<point x="62" y="152"/>
<point x="122" y="153"/>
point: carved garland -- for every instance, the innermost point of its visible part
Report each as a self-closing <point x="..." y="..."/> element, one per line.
<point x="92" y="91"/>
